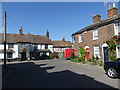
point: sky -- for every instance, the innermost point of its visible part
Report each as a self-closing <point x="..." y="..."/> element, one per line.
<point x="61" y="19"/>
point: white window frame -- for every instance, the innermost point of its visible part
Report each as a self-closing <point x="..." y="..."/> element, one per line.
<point x="95" y="34"/>
<point x="79" y="38"/>
<point x="96" y="51"/>
<point x="117" y="27"/>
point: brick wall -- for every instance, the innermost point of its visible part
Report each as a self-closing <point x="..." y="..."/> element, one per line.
<point x="104" y="32"/>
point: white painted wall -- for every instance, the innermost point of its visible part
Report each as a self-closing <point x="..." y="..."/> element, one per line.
<point x="43" y="46"/>
<point x="15" y="49"/>
<point x="50" y="47"/>
<point x="1" y="54"/>
<point x="39" y="46"/>
<point x="60" y="49"/>
<point x="1" y="46"/>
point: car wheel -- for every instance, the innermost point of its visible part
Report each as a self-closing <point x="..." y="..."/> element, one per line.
<point x="111" y="72"/>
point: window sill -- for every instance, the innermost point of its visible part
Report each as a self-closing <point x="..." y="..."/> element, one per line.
<point x="96" y="39"/>
<point x="80" y="41"/>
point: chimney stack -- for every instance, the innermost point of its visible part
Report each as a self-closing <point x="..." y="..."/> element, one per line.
<point x="21" y="31"/>
<point x="47" y="34"/>
<point x="96" y="18"/>
<point x="112" y="11"/>
<point x="63" y="39"/>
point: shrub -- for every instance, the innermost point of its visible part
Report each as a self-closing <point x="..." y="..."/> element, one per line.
<point x="94" y="62"/>
<point x="90" y="59"/>
<point x="82" y="53"/>
<point x="76" y="60"/>
<point x="97" y="58"/>
<point x="83" y="62"/>
<point x="73" y="56"/>
<point x="53" y="55"/>
<point x="101" y="64"/>
<point x="112" y="57"/>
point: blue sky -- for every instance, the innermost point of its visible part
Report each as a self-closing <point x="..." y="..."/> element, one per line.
<point x="60" y="18"/>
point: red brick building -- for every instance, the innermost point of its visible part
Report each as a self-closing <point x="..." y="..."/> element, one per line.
<point x="95" y="35"/>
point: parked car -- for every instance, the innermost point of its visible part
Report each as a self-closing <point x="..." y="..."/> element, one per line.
<point x="112" y="68"/>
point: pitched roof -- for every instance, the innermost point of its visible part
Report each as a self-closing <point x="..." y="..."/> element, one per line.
<point x="15" y="38"/>
<point x="62" y="43"/>
<point x="100" y="24"/>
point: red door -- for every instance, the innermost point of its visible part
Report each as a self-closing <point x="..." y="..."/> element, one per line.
<point x="87" y="54"/>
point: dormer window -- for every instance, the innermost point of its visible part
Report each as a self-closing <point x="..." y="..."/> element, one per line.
<point x="80" y="38"/>
<point x="95" y="34"/>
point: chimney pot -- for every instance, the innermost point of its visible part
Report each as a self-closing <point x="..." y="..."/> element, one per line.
<point x="21" y="31"/>
<point x="47" y="33"/>
<point x="63" y="39"/>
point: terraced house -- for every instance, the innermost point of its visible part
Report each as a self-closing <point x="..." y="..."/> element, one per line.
<point x="60" y="46"/>
<point x="25" y="46"/>
<point x="93" y="37"/>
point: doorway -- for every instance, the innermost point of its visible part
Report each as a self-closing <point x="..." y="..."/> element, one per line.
<point x="23" y="56"/>
<point x="105" y="51"/>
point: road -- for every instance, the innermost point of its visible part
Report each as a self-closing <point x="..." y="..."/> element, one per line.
<point x="56" y="73"/>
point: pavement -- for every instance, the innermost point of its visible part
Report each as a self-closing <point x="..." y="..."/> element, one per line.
<point x="56" y="73"/>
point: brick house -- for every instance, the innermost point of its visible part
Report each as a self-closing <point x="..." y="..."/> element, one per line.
<point x="94" y="36"/>
<point x="25" y="46"/>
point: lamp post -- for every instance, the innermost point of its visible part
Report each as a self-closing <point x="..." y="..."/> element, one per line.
<point x="5" y="38"/>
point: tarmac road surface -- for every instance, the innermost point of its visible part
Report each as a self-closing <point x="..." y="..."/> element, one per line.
<point x="56" y="73"/>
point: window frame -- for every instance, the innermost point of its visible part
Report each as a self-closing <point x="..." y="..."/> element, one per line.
<point x="46" y="45"/>
<point x="117" y="28"/>
<point x="96" y="52"/>
<point x="9" y="55"/>
<point x="95" y="35"/>
<point x="35" y="46"/>
<point x="80" y="38"/>
<point x="10" y="45"/>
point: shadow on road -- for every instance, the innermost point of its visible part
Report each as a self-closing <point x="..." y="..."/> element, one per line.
<point x="30" y="75"/>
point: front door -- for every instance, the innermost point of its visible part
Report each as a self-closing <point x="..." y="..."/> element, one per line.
<point x="105" y="51"/>
<point x="23" y="56"/>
